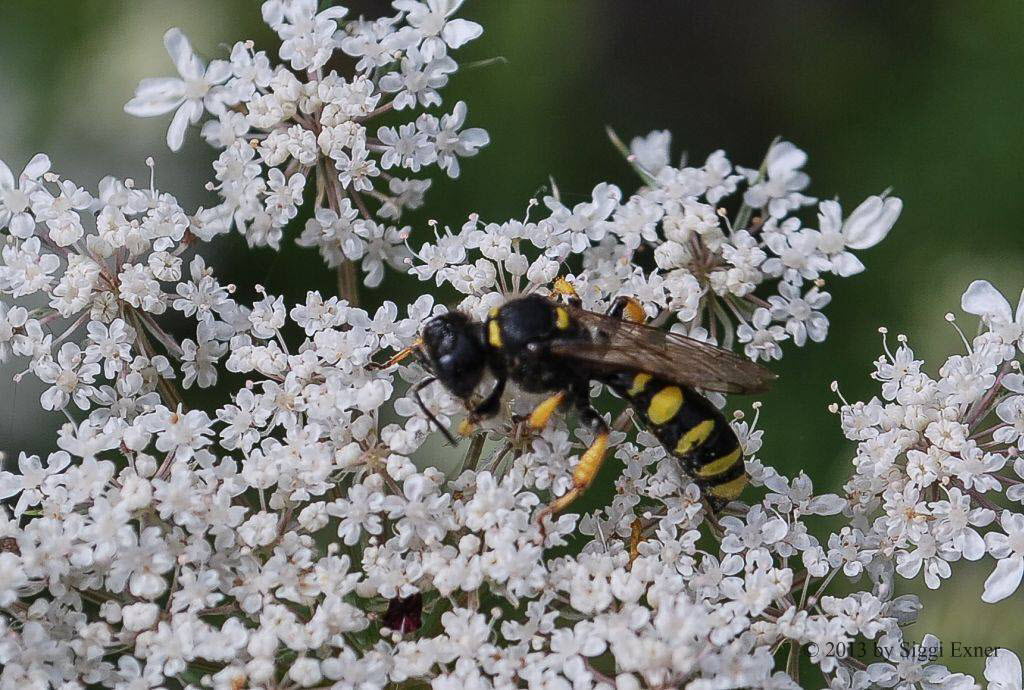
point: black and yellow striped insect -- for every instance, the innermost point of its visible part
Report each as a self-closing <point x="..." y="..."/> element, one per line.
<point x="544" y="345"/>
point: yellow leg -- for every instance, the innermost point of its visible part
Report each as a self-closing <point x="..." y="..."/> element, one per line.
<point x="582" y="477"/>
<point x="541" y="414"/>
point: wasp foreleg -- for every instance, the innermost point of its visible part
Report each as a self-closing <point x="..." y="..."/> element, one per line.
<point x="487" y="408"/>
<point x="541" y="414"/>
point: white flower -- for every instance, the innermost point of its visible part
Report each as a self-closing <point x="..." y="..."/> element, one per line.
<point x="307" y="37"/>
<point x="420" y="78"/>
<point x="801" y="314"/>
<point x="12" y="319"/>
<point x="779" y="191"/>
<point x="111" y="345"/>
<point x="69" y="376"/>
<point x="33" y="479"/>
<point x="450" y="143"/>
<point x="15" y="195"/>
<point x="190" y="95"/>
<point x="867" y="226"/>
<point x="651" y="152"/>
<point x="761" y="338"/>
<point x="431" y="20"/>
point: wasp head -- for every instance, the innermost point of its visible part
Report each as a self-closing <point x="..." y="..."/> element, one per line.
<point x="454" y="349"/>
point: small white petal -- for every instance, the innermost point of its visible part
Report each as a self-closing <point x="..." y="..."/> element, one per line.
<point x="176" y="130"/>
<point x="458" y="32"/>
<point x="188" y="65"/>
<point x="981" y="299"/>
<point x="39" y="165"/>
<point x="6" y="177"/>
<point x="846" y="264"/>
<point x="1003" y="671"/>
<point x="156" y="97"/>
<point x="22" y="225"/>
<point x="1004" y="580"/>
<point x="871" y="221"/>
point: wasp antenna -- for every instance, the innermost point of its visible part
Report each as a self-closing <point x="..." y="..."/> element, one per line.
<point x="399" y="357"/>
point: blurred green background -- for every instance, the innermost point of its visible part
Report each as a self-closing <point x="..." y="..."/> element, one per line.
<point x="924" y="97"/>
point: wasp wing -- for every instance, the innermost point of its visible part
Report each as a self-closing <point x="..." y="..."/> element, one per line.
<point x="620" y="344"/>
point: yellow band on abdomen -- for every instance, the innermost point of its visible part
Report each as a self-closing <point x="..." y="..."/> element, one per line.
<point x="665" y="404"/>
<point x="695" y="437"/>
<point x="730" y="490"/>
<point x="720" y="465"/>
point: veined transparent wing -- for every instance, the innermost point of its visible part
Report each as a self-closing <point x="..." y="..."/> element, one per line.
<point x="619" y="344"/>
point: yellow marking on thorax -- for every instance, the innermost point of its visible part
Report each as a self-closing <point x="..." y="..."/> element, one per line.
<point x="695" y="437"/>
<point x="730" y="490"/>
<point x="562" y="318"/>
<point x="665" y="404"/>
<point x="494" y="333"/>
<point x="720" y="465"/>
<point x="639" y="383"/>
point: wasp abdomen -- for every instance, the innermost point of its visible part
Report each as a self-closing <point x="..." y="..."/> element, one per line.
<point x="691" y="428"/>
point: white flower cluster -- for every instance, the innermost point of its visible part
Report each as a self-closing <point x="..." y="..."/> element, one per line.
<point x="303" y="534"/>
<point x="282" y="128"/>
<point x="672" y="246"/>
<point x="108" y="266"/>
<point x="939" y="476"/>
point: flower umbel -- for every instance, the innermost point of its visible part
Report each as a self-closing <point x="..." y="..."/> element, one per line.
<point x="308" y="529"/>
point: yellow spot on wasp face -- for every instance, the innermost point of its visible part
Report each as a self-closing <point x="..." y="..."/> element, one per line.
<point x="562" y="318"/>
<point x="665" y="404"/>
<point x="720" y="465"/>
<point x="730" y="490"/>
<point x="695" y="436"/>
<point x="493" y="313"/>
<point x="634" y="312"/>
<point x="639" y="383"/>
<point x="494" y="333"/>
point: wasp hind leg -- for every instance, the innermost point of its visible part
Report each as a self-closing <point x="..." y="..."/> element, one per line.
<point x="590" y="462"/>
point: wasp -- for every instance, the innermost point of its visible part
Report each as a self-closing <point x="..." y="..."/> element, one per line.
<point x="545" y="345"/>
